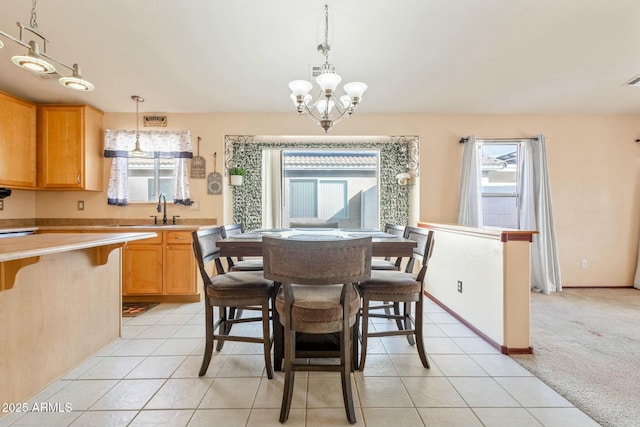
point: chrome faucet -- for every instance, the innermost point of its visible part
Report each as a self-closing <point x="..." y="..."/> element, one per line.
<point x="163" y="209"/>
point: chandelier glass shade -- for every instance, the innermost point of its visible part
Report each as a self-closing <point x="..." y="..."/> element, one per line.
<point x="327" y="109"/>
<point x="40" y="62"/>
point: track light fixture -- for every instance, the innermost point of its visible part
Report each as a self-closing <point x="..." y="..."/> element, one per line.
<point x="39" y="61"/>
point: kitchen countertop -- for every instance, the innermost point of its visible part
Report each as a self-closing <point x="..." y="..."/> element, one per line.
<point x="35" y="245"/>
<point x="111" y="227"/>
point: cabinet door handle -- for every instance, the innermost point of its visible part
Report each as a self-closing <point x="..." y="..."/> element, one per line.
<point x="78" y="179"/>
<point x="180" y="238"/>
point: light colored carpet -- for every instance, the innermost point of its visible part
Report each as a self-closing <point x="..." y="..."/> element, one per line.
<point x="586" y="345"/>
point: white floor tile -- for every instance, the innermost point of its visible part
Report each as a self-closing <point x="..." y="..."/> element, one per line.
<point x="384" y="417"/>
<point x="506" y="417"/>
<point x="150" y="378"/>
<point x="449" y="417"/>
<point x="220" y="417"/>
<point x="128" y="395"/>
<point x="156" y="367"/>
<point x="482" y="392"/>
<point x="164" y="418"/>
<point x="432" y="392"/>
<point x="230" y="393"/>
<point x="104" y="418"/>
<point x="180" y="394"/>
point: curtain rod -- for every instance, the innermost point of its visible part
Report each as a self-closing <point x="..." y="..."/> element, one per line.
<point x="463" y="140"/>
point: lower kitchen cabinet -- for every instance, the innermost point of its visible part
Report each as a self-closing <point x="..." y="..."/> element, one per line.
<point x="161" y="266"/>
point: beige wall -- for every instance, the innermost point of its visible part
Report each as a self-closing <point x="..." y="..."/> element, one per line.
<point x="594" y="165"/>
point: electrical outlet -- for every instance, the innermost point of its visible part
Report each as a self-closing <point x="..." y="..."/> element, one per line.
<point x="1" y="205"/>
<point x="460" y="286"/>
<point x="80" y="205"/>
<point x="195" y="206"/>
<point x="584" y="264"/>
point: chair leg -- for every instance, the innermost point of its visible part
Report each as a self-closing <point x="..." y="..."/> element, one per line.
<point x="266" y="337"/>
<point x="418" y="333"/>
<point x="223" y="328"/>
<point x="209" y="331"/>
<point x="289" y="374"/>
<point x="396" y="311"/>
<point x="407" y="322"/>
<point x="355" y="337"/>
<point x="365" y="331"/>
<point x="345" y="373"/>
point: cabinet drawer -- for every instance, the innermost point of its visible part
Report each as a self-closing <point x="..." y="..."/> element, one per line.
<point x="149" y="241"/>
<point x="178" y="237"/>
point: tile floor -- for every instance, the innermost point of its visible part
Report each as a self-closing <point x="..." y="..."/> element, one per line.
<point x="149" y="377"/>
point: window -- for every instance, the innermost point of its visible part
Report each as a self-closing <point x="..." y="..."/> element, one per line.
<point x="330" y="186"/>
<point x="499" y="183"/>
<point x="148" y="178"/>
<point x="325" y="199"/>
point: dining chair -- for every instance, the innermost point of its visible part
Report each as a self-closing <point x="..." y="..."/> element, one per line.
<point x="240" y="264"/>
<point x="238" y="289"/>
<point x="387" y="263"/>
<point x="399" y="287"/>
<point x="318" y="296"/>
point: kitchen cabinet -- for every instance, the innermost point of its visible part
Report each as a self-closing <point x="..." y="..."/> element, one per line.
<point x="69" y="147"/>
<point x="162" y="266"/>
<point x="142" y="267"/>
<point x="17" y="143"/>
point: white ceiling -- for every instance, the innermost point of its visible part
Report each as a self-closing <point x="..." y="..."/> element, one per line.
<point x="434" y="56"/>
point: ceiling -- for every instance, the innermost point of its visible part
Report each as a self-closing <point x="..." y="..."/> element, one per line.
<point x="423" y="56"/>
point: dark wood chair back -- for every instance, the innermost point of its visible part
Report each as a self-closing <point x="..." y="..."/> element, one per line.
<point x="205" y="250"/>
<point x="422" y="252"/>
<point x="317" y="262"/>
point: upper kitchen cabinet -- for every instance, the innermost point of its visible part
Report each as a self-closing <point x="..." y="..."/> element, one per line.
<point x="17" y="143"/>
<point x="70" y="147"/>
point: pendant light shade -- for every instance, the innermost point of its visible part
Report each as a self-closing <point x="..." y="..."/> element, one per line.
<point x="76" y="81"/>
<point x="33" y="61"/>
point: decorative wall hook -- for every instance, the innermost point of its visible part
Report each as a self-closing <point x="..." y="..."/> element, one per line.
<point x="403" y="178"/>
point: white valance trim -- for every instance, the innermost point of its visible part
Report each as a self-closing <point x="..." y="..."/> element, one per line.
<point x="159" y="144"/>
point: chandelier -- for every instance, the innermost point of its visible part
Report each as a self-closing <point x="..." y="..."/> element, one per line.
<point x="326" y="110"/>
<point x="39" y="61"/>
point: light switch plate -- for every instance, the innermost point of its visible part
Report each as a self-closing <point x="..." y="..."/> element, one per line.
<point x="80" y="205"/>
<point x="1" y="205"/>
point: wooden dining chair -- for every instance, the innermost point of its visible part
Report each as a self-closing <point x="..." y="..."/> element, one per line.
<point x="240" y="264"/>
<point x="387" y="263"/>
<point x="318" y="296"/>
<point x="399" y="287"/>
<point x="238" y="289"/>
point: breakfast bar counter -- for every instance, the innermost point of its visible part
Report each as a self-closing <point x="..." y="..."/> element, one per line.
<point x="60" y="303"/>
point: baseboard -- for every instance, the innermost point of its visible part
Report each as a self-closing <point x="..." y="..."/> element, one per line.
<point x="501" y="348"/>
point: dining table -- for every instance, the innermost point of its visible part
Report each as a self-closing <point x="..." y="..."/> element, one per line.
<point x="249" y="244"/>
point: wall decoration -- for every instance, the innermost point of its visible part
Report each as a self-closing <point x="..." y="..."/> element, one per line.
<point x="214" y="180"/>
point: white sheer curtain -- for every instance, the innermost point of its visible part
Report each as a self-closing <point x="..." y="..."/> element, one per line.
<point x="636" y="282"/>
<point x="534" y="207"/>
<point x="535" y="213"/>
<point x="271" y="188"/>
<point x="470" y="211"/>
<point x="158" y="144"/>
